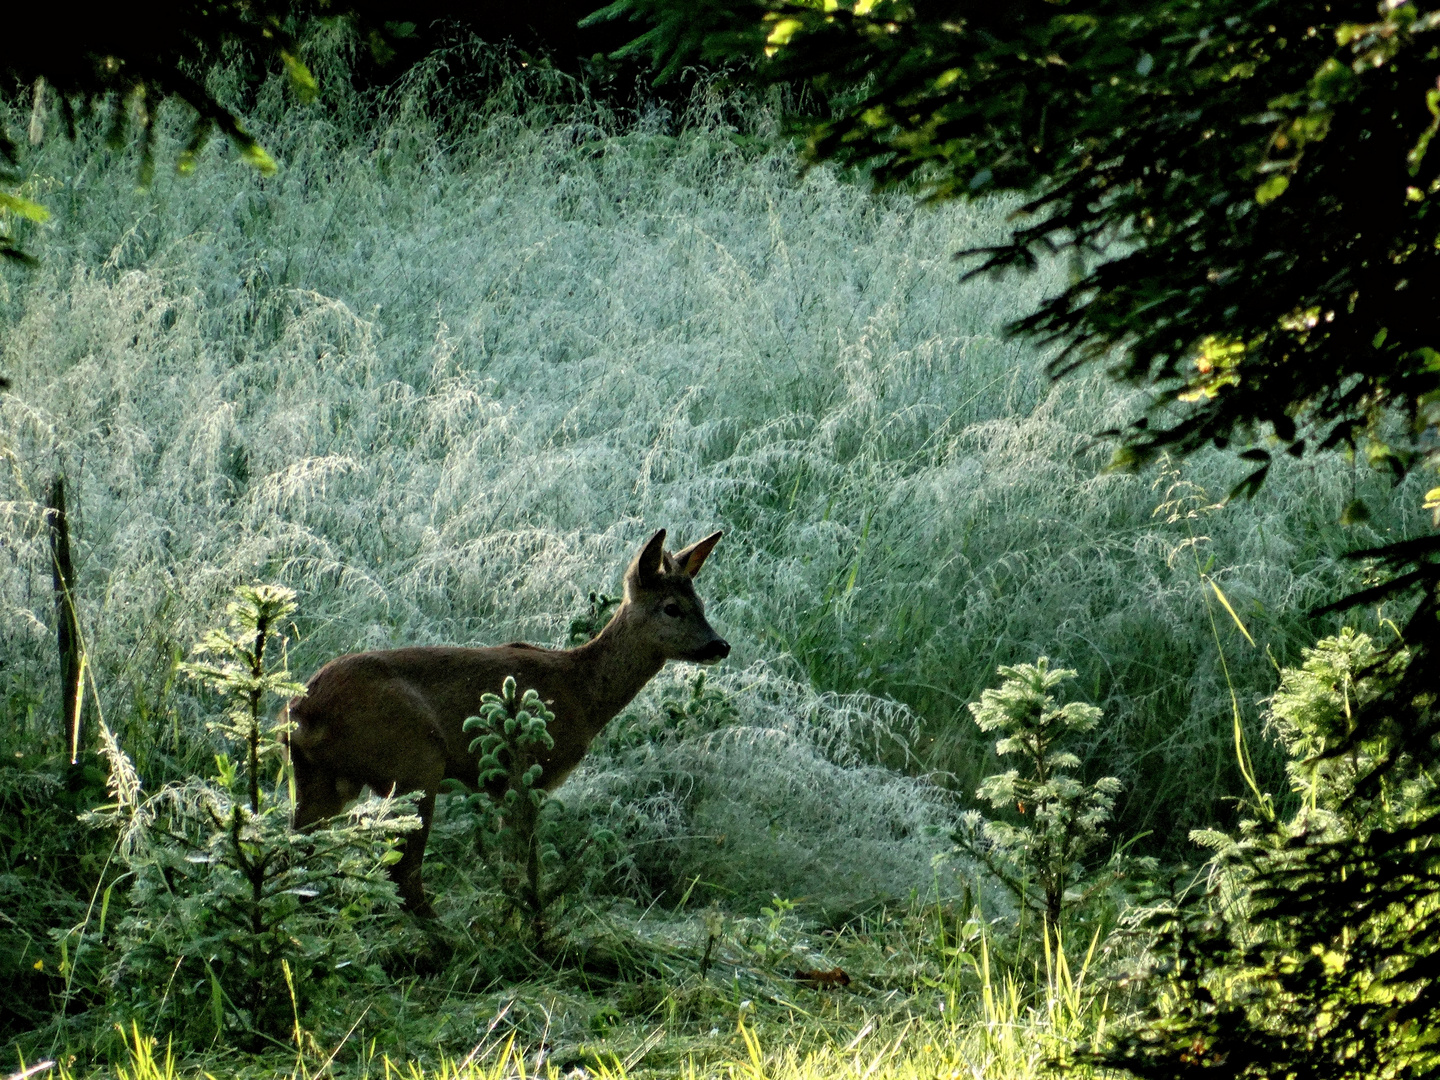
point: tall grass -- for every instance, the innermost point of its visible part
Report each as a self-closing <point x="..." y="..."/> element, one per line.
<point x="445" y="370"/>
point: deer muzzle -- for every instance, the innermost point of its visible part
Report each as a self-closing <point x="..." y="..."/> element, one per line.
<point x="712" y="652"/>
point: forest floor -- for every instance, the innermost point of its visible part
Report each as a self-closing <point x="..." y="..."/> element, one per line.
<point x="913" y="991"/>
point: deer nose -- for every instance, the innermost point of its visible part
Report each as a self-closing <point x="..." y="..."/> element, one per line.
<point x="712" y="651"/>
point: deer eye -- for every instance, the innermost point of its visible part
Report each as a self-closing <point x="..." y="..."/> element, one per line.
<point x="672" y="609"/>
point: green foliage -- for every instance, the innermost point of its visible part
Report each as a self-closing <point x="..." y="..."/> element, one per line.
<point x="1314" y="713"/>
<point x="443" y="340"/>
<point x="1311" y="951"/>
<point x="235" y="924"/>
<point x="585" y="627"/>
<point x="520" y="828"/>
<point x="925" y="997"/>
<point x="1043" y="860"/>
<point x="48" y="862"/>
<point x="772" y="941"/>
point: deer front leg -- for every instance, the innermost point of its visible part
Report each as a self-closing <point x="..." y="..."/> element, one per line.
<point x="317" y="794"/>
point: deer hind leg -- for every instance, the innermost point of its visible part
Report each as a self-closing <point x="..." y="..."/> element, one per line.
<point x="423" y="773"/>
<point x="406" y="872"/>
<point x="320" y="793"/>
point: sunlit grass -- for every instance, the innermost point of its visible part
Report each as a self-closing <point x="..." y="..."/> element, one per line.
<point x="970" y="1020"/>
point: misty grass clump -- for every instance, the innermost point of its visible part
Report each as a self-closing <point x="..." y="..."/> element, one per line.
<point x="748" y="784"/>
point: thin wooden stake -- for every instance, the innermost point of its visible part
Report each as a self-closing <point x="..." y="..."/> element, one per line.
<point x="67" y="625"/>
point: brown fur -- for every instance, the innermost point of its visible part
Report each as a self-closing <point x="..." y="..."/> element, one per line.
<point x="393" y="719"/>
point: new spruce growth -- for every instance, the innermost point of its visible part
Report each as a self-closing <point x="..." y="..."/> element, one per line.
<point x="587" y="626"/>
<point x="1313" y="713"/>
<point x="1042" y="857"/>
<point x="513" y="734"/>
<point x="1348" y="781"/>
<point x="519" y="822"/>
<point x="238" y="673"/>
<point x="1318" y="928"/>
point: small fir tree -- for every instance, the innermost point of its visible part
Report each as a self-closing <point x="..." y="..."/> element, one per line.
<point x="705" y="709"/>
<point x="238" y="673"/>
<point x="1042" y="857"/>
<point x="520" y="823"/>
<point x="1311" y="949"/>
<point x="587" y="626"/>
<point x="236" y="923"/>
<point x="1314" y="714"/>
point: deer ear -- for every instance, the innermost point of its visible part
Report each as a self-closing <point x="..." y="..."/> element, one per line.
<point x="648" y="565"/>
<point x="689" y="560"/>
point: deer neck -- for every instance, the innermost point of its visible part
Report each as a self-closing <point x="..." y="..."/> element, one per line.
<point x="614" y="667"/>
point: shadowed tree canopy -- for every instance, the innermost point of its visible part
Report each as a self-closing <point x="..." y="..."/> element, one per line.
<point x="120" y="60"/>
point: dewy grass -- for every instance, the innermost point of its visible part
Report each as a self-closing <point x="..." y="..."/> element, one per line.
<point x="924" y="1004"/>
<point x="441" y="372"/>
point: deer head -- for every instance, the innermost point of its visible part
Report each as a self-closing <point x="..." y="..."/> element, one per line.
<point x="661" y="603"/>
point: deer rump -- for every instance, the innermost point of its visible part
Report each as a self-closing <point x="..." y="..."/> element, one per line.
<point x="393" y="720"/>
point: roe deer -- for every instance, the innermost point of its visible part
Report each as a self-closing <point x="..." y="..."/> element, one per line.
<point x="393" y="720"/>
